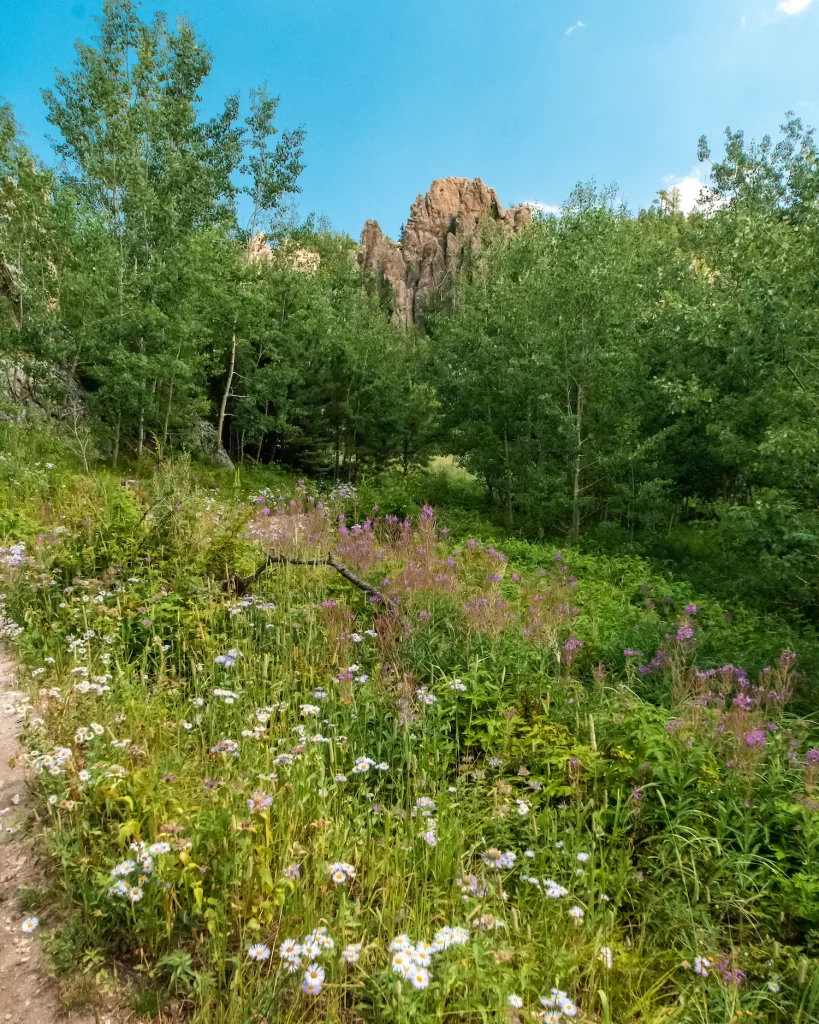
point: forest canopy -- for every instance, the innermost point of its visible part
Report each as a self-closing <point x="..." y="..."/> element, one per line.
<point x="647" y="379"/>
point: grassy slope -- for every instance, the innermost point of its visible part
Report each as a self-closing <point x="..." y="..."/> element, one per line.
<point x="700" y="842"/>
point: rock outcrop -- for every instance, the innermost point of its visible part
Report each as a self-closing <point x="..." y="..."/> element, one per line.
<point x="285" y="254"/>
<point x="439" y="224"/>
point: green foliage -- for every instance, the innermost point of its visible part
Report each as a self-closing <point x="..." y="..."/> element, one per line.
<point x="135" y="296"/>
<point x="697" y="813"/>
<point x="616" y="376"/>
<point x="646" y="383"/>
<point x="643" y="387"/>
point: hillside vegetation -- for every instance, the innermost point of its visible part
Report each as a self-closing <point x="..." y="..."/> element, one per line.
<point x="639" y="382"/>
<point x="459" y="667"/>
<point x="495" y="774"/>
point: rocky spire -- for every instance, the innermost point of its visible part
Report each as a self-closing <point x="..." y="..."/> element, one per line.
<point x="439" y="224"/>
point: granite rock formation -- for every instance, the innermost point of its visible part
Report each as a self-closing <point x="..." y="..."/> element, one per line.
<point x="439" y="225"/>
<point x="286" y="253"/>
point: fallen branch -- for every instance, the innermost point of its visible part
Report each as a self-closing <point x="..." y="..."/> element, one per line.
<point x="241" y="584"/>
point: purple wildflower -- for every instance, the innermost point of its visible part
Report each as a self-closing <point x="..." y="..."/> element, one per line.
<point x="259" y="802"/>
<point x="226" y="747"/>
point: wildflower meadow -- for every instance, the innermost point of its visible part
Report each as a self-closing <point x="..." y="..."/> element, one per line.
<point x="300" y="757"/>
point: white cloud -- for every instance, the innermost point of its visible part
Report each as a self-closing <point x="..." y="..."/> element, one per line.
<point x="544" y="208"/>
<point x="743" y="21"/>
<point x="793" y="6"/>
<point x="582" y="24"/>
<point x="688" y="189"/>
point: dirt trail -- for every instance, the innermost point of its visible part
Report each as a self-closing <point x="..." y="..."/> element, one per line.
<point x="27" y="994"/>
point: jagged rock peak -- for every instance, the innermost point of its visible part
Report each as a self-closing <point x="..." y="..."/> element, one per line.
<point x="438" y="225"/>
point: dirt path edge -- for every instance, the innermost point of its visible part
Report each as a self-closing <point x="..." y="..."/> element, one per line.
<point x="27" y="994"/>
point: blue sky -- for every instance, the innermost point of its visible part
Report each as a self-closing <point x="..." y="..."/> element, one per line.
<point x="530" y="95"/>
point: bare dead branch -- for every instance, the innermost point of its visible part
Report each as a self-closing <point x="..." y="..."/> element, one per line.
<point x="241" y="584"/>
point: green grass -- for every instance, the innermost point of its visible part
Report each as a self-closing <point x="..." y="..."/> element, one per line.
<point x="701" y="840"/>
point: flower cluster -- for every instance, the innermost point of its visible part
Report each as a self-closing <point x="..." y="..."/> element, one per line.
<point x="341" y="872"/>
<point x="293" y="953"/>
<point x="54" y="762"/>
<point x="493" y="858"/>
<point x="559" y="1002"/>
<point x="363" y="764"/>
<point x="413" y="960"/>
<point x="228" y="659"/>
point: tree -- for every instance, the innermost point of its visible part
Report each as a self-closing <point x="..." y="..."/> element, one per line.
<point x="540" y="363"/>
<point x="140" y="158"/>
<point x="37" y="233"/>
